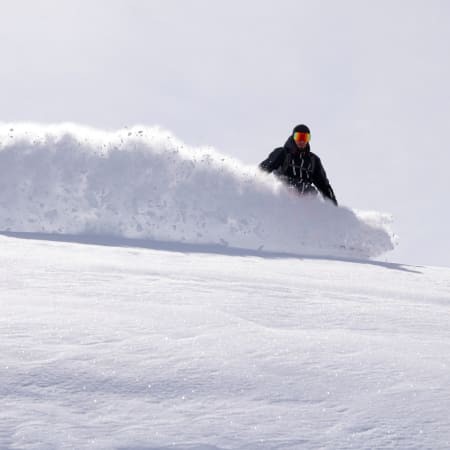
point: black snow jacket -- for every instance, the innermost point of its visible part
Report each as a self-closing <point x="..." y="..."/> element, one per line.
<point x="299" y="168"/>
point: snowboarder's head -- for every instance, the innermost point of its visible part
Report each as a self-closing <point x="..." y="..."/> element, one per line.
<point x="301" y="136"/>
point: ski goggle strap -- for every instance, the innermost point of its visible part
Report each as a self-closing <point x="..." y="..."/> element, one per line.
<point x="301" y="137"/>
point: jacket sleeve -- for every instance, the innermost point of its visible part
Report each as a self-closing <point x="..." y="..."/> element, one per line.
<point x="321" y="181"/>
<point x="273" y="161"/>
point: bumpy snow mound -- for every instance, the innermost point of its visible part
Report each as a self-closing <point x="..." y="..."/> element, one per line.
<point x="144" y="183"/>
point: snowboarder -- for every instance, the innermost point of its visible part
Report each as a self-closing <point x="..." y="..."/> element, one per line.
<point x="297" y="166"/>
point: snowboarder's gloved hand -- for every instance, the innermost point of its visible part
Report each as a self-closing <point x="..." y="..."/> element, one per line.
<point x="331" y="196"/>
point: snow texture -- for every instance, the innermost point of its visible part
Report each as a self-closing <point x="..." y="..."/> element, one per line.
<point x="109" y="347"/>
<point x="143" y="183"/>
<point x="140" y="310"/>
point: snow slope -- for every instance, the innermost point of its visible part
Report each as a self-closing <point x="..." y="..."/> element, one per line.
<point x="116" y="346"/>
<point x="144" y="183"/>
<point x="154" y="296"/>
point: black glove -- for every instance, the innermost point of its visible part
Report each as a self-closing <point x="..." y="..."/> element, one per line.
<point x="331" y="196"/>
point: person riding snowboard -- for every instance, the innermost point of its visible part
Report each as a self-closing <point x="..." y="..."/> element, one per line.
<point x="297" y="166"/>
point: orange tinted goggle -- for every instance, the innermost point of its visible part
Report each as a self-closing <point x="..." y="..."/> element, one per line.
<point x="301" y="137"/>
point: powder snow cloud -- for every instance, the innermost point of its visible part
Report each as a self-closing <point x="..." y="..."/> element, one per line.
<point x="144" y="183"/>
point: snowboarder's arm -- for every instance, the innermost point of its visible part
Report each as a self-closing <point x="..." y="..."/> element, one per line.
<point x="273" y="161"/>
<point x="330" y="195"/>
<point x="321" y="181"/>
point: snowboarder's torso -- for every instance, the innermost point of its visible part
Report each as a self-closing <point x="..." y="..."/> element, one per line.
<point x="300" y="168"/>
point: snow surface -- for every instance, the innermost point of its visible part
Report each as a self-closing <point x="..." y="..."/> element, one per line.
<point x="155" y="296"/>
<point x="117" y="346"/>
<point x="144" y="183"/>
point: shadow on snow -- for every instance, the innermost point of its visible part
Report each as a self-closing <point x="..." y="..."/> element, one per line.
<point x="183" y="247"/>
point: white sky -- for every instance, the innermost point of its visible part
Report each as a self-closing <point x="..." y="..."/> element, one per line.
<point x="369" y="78"/>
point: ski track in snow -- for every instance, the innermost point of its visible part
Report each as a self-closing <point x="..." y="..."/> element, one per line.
<point x="143" y="183"/>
